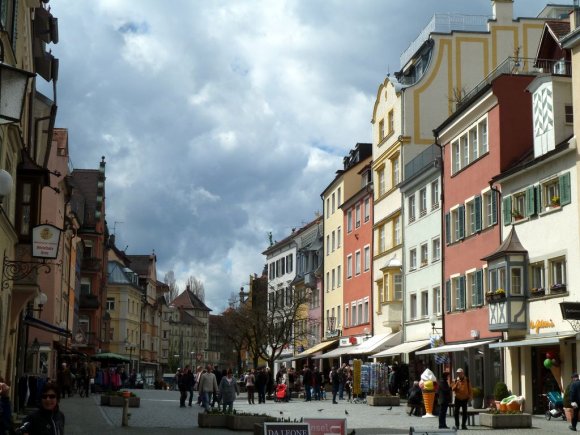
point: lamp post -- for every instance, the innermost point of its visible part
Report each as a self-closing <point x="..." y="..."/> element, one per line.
<point x="433" y="320"/>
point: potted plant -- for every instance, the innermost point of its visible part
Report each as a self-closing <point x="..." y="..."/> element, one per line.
<point x="558" y="288"/>
<point x="555" y="201"/>
<point x="517" y="215"/>
<point x="537" y="292"/>
<point x="500" y="392"/>
<point x="477" y="394"/>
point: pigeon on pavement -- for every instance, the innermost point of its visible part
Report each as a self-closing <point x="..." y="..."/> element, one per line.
<point x="346" y="412"/>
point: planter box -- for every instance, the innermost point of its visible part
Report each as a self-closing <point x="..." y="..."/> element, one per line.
<point x="383" y="400"/>
<point x="246" y="422"/>
<point x="505" y="420"/>
<point x="134" y="402"/>
<point x="211" y="420"/>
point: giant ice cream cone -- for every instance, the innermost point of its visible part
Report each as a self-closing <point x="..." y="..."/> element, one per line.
<point x="428" y="399"/>
<point x="557" y="373"/>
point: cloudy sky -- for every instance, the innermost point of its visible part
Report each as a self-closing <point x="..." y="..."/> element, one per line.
<point x="223" y="120"/>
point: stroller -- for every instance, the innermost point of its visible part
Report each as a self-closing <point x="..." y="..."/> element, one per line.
<point x="280" y="394"/>
<point x="555" y="405"/>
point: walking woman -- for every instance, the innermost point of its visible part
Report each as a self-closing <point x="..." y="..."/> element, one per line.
<point x="228" y="389"/>
<point x="250" y="386"/>
<point x="47" y="420"/>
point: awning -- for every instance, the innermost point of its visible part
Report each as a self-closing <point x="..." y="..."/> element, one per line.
<point x="316" y="348"/>
<point x="344" y="350"/>
<point x="376" y="343"/>
<point x="409" y="347"/>
<point x="540" y="341"/>
<point x="45" y="326"/>
<point x="453" y="347"/>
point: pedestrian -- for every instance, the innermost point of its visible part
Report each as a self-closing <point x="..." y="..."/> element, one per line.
<point x="348" y="384"/>
<point x="182" y="386"/>
<point x="317" y="383"/>
<point x="218" y="377"/>
<point x="335" y="382"/>
<point x="64" y="378"/>
<point x="462" y="389"/>
<point x="189" y="382"/>
<point x="444" y="399"/>
<point x="48" y="419"/>
<point x="207" y="385"/>
<point x="250" y="386"/>
<point x="270" y="383"/>
<point x="6" y="426"/>
<point x="307" y="382"/>
<point x="228" y="390"/>
<point x="574" y="396"/>
<point x="342" y="381"/>
<point x="261" y="384"/>
<point x="415" y="400"/>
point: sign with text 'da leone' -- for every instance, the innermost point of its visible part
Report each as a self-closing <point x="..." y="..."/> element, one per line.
<point x="286" y="429"/>
<point x="327" y="426"/>
<point x="45" y="241"/>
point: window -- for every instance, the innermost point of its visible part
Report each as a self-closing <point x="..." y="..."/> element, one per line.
<point x="437" y="300"/>
<point x="327" y="207"/>
<point x="497" y="279"/>
<point x="353" y="310"/>
<point x="339" y="276"/>
<point x="475" y="288"/>
<point x="557" y="272"/>
<point x="397" y="231"/>
<point x="482" y="132"/>
<point x="327" y="281"/>
<point x="434" y="195"/>
<point x="360" y="313"/>
<point x="382" y="235"/>
<point x="349" y="221"/>
<point x="338" y="237"/>
<point x="469" y="146"/>
<point x="424" y="303"/>
<point x="367" y="209"/>
<point x="367" y="260"/>
<point x="413" y="259"/>
<point x="349" y="266"/>
<point x="555" y="192"/>
<point x="272" y="271"/>
<point x="458" y="288"/>
<point x="518" y="210"/>
<point x="333" y="202"/>
<point x="391" y="124"/>
<point x="516" y="281"/>
<point x="455" y="162"/>
<point x="381" y="177"/>
<point x="455" y="224"/>
<point x="88" y="249"/>
<point x="357" y="216"/>
<point x="436" y="249"/>
<point x="537" y="275"/>
<point x="110" y="304"/>
<point x="327" y="244"/>
<point x="366" y="178"/>
<point x="381" y="292"/>
<point x="465" y="155"/>
<point x="395" y="170"/>
<point x="381" y="129"/>
<point x="333" y="279"/>
<point x="411" y="208"/>
<point x="85" y="286"/>
<point x="339" y="197"/>
<point x="569" y="114"/>
<point x="289" y="263"/>
<point x="333" y="241"/>
<point x="423" y="202"/>
<point x="398" y="286"/>
<point x="413" y="306"/>
<point x="473" y="148"/>
<point x="366" y="311"/>
<point x="473" y="216"/>
<point x="489" y="209"/>
<point x="424" y="254"/>
<point x="346" y="317"/>
<point x="357" y="262"/>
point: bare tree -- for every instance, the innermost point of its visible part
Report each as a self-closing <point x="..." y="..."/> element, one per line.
<point x="196" y="286"/>
<point x="172" y="284"/>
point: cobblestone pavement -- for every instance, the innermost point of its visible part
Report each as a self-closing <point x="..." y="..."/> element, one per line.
<point x="160" y="413"/>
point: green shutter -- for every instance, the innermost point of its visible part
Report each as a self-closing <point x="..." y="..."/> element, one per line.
<point x="564" y="181"/>
<point x="447" y="228"/>
<point x="448" y="296"/>
<point x="461" y="292"/>
<point x="539" y="206"/>
<point x="461" y="216"/>
<point x="479" y="286"/>
<point x="507" y="210"/>
<point x="477" y="205"/>
<point x="530" y="201"/>
<point x="493" y="207"/>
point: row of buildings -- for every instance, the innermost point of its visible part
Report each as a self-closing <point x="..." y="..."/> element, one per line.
<point x="67" y="293"/>
<point x="449" y="240"/>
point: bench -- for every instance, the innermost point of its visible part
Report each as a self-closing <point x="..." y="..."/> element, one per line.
<point x="471" y="413"/>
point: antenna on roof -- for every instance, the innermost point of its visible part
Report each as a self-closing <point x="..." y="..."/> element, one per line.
<point x="388" y="70"/>
<point x="115" y="226"/>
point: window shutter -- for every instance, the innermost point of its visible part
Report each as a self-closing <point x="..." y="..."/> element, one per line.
<point x="461" y="292"/>
<point x="564" y="181"/>
<point x="479" y="286"/>
<point x="447" y="228"/>
<point x="477" y="205"/>
<point x="461" y="216"/>
<point x="494" y="207"/>
<point x="448" y="296"/>
<point x="538" y="190"/>
<point x="530" y="201"/>
<point x="507" y="210"/>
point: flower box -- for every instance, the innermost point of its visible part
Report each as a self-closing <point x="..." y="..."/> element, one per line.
<point x="383" y="400"/>
<point x="134" y="402"/>
<point x="537" y="292"/>
<point x="211" y="420"/>
<point x="246" y="422"/>
<point x="558" y="288"/>
<point x="496" y="421"/>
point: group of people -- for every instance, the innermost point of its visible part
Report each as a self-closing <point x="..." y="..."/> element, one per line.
<point x="341" y="381"/>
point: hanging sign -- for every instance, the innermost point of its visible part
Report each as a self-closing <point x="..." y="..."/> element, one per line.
<point x="45" y="241"/>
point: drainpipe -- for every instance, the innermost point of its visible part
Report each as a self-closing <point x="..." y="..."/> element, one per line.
<point x="442" y="197"/>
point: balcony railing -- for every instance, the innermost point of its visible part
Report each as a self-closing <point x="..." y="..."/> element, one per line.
<point x="429" y="157"/>
<point x="91" y="264"/>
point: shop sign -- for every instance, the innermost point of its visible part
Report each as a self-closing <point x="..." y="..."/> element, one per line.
<point x="541" y="324"/>
<point x="45" y="241"/>
<point x="327" y="426"/>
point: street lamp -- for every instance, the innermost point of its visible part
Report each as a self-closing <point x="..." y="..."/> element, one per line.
<point x="433" y="320"/>
<point x="6" y="184"/>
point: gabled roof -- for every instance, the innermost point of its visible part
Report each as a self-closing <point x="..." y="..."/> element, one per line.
<point x="553" y="32"/>
<point x="188" y="300"/>
<point x="140" y="264"/>
<point x="511" y="245"/>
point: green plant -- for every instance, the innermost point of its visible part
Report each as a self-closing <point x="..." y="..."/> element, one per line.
<point x="476" y="392"/>
<point x="500" y="291"/>
<point x="500" y="391"/>
<point x="555" y="200"/>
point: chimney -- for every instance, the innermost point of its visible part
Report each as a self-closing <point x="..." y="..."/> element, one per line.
<point x="503" y="11"/>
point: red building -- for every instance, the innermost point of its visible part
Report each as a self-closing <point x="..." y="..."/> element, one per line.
<point x="490" y="131"/>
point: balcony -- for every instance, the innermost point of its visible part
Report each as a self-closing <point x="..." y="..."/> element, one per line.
<point x="91" y="264"/>
<point x="88" y="302"/>
<point x="507" y="313"/>
<point x="310" y="280"/>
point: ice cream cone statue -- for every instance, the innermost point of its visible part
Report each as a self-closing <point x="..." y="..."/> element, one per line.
<point x="428" y="385"/>
<point x="552" y="363"/>
<point x="557" y="373"/>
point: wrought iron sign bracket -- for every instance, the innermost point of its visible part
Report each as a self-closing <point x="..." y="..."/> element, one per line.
<point x="15" y="270"/>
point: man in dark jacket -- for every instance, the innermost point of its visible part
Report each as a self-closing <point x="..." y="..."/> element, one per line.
<point x="307" y="382"/>
<point x="444" y="399"/>
<point x="335" y="382"/>
<point x="182" y="385"/>
<point x="574" y="399"/>
<point x="261" y="383"/>
<point x="317" y="383"/>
